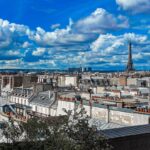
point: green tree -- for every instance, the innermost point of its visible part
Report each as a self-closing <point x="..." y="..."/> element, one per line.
<point x="70" y="132"/>
<point x="86" y="137"/>
<point x="12" y="133"/>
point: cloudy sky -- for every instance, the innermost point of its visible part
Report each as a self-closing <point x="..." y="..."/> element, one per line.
<point x="70" y="33"/>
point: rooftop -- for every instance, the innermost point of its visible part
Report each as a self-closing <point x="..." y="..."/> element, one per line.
<point x="45" y="99"/>
<point x="103" y="125"/>
<point x="127" y="131"/>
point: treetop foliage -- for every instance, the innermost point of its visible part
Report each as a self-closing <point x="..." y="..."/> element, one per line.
<point x="69" y="132"/>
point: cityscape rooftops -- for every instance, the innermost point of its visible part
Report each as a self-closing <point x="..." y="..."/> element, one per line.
<point x="45" y="99"/>
<point x="22" y="92"/>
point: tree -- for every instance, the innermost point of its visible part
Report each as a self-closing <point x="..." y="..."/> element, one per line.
<point x="12" y="132"/>
<point x="86" y="137"/>
<point x="70" y="132"/>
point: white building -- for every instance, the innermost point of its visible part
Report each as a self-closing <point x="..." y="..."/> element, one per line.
<point x="120" y="116"/>
<point x="67" y="80"/>
<point x="43" y="104"/>
<point x="21" y="96"/>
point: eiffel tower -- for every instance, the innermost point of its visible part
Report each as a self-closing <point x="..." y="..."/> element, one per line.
<point x="130" y="62"/>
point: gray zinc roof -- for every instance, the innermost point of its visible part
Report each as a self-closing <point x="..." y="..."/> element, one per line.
<point x="43" y="99"/>
<point x="103" y="125"/>
<point x="127" y="131"/>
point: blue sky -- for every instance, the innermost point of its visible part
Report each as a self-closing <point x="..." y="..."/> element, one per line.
<point x="65" y="33"/>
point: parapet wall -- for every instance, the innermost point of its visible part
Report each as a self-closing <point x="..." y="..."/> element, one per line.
<point x="120" y="116"/>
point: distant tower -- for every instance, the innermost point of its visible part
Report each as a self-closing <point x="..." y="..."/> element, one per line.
<point x="130" y="62"/>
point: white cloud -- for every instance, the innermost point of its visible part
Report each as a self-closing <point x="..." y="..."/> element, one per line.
<point x="44" y="64"/>
<point x="39" y="51"/>
<point x="137" y="56"/>
<point x="26" y="44"/>
<point x="108" y="43"/>
<point x="100" y="21"/>
<point x="54" y="26"/>
<point x="13" y="53"/>
<point x="53" y="47"/>
<point x="58" y="37"/>
<point x="10" y="31"/>
<point x="136" y="6"/>
<point x="135" y="37"/>
<point x="20" y="41"/>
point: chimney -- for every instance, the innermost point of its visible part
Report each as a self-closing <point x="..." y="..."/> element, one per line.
<point x="49" y="93"/>
<point x="108" y="114"/>
<point x="55" y="95"/>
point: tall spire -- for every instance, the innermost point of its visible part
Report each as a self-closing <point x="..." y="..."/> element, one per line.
<point x="130" y="62"/>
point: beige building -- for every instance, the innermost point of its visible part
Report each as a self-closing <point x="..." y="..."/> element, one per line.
<point x="66" y="80"/>
<point x="114" y="81"/>
<point x="132" y="81"/>
<point x="123" y="81"/>
<point x="100" y="89"/>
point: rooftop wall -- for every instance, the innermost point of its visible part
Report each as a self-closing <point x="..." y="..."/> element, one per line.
<point x="116" y="115"/>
